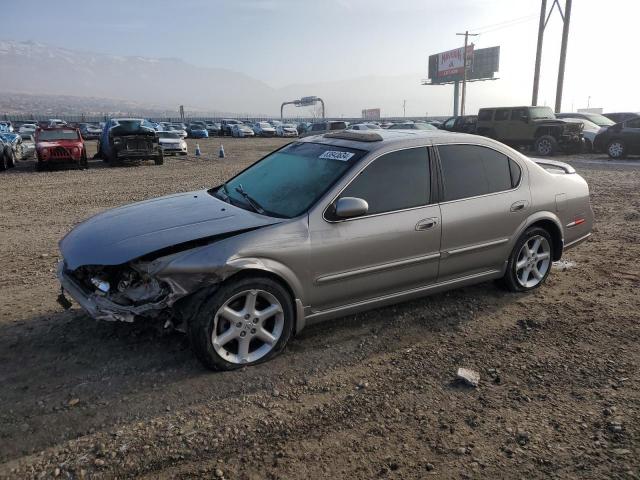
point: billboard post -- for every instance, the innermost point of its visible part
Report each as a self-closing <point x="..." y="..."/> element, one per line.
<point x="464" y="69"/>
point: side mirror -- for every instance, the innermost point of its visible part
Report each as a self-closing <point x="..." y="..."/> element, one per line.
<point x="349" y="207"/>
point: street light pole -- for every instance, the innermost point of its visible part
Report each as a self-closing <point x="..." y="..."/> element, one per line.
<point x="464" y="74"/>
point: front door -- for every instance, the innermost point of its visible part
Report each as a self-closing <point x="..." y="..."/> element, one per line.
<point x="485" y="203"/>
<point x="392" y="248"/>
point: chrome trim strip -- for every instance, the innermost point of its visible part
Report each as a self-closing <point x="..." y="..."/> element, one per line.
<point x="477" y="246"/>
<point x="577" y="241"/>
<point x="401" y="294"/>
<point x="375" y="268"/>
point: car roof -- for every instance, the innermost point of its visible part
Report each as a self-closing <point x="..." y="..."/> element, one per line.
<point x="393" y="139"/>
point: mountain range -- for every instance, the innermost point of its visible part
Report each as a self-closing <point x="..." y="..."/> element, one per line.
<point x="165" y="83"/>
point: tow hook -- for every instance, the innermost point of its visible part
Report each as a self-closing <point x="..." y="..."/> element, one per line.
<point x="63" y="301"/>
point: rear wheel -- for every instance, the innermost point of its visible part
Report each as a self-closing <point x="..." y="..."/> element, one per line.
<point x="83" y="160"/>
<point x="159" y="160"/>
<point x="616" y="149"/>
<point x="530" y="261"/>
<point x="546" y="146"/>
<point x="3" y="161"/>
<point x="245" y="322"/>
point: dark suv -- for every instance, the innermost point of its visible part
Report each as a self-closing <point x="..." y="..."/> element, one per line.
<point x="535" y="127"/>
<point x="620" y="140"/>
<point x="463" y="124"/>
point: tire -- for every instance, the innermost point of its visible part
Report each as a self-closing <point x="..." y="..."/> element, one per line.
<point x="11" y="159"/>
<point x="587" y="146"/>
<point x="84" y="164"/>
<point x="616" y="149"/>
<point x="3" y="161"/>
<point x="546" y="146"/>
<point x="516" y="278"/>
<point x="159" y="160"/>
<point x="233" y="329"/>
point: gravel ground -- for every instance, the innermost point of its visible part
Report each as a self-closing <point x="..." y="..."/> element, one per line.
<point x="366" y="396"/>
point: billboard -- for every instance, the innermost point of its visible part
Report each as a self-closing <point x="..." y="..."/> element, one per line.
<point x="371" y="114"/>
<point x="448" y="67"/>
<point x="452" y="62"/>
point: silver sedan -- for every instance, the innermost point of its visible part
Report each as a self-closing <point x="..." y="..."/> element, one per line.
<point x="324" y="227"/>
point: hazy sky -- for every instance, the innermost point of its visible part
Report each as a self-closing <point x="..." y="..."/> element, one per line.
<point x="284" y="42"/>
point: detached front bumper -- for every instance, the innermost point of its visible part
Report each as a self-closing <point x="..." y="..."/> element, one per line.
<point x="101" y="308"/>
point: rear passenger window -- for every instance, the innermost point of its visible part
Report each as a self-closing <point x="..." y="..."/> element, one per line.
<point x="472" y="170"/>
<point x="485" y="115"/>
<point x="502" y="114"/>
<point x="395" y="181"/>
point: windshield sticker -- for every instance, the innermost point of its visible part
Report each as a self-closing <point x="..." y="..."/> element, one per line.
<point x="336" y="155"/>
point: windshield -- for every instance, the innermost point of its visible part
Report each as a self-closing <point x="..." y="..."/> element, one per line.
<point x="58" y="135"/>
<point x="265" y="125"/>
<point x="541" y="112"/>
<point x="168" y="135"/>
<point x="600" y="120"/>
<point x="129" y="125"/>
<point x="289" y="181"/>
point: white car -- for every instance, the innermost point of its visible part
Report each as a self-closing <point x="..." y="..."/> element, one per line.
<point x="179" y="130"/>
<point x="364" y="126"/>
<point x="172" y="143"/>
<point x="56" y="122"/>
<point x="242" y="130"/>
<point x="264" y="129"/>
<point x="27" y="129"/>
<point x="287" y="130"/>
<point x="589" y="131"/>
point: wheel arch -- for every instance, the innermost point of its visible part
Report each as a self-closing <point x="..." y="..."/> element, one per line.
<point x="552" y="226"/>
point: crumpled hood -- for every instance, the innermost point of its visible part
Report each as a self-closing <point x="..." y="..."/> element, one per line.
<point x="126" y="233"/>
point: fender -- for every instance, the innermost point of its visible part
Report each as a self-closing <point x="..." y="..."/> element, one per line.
<point x="534" y="218"/>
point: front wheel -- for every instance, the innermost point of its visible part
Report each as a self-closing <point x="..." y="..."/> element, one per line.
<point x="245" y="322"/>
<point x="530" y="261"/>
<point x="546" y="145"/>
<point x="159" y="160"/>
<point x="616" y="149"/>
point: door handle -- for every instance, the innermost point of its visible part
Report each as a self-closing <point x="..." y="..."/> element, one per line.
<point x="426" y="224"/>
<point x="517" y="206"/>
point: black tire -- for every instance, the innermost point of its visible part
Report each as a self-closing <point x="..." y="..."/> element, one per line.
<point x="159" y="160"/>
<point x="41" y="166"/>
<point x="546" y="146"/>
<point x="11" y="158"/>
<point x="587" y="146"/>
<point x="510" y="280"/>
<point x="84" y="163"/>
<point x="4" y="162"/>
<point x="616" y="149"/>
<point x="112" y="159"/>
<point x="200" y="327"/>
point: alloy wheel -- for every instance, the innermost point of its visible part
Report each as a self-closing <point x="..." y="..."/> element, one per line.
<point x="544" y="147"/>
<point x="534" y="261"/>
<point x="616" y="149"/>
<point x="247" y="326"/>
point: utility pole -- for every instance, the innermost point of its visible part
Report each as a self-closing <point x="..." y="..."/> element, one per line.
<point x="464" y="75"/>
<point x="566" y="17"/>
<point x="563" y="52"/>
<point x="536" y="72"/>
<point x="404" y="108"/>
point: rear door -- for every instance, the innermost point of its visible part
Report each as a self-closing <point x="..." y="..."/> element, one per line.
<point x="485" y="201"/>
<point x="393" y="248"/>
<point x="631" y="134"/>
<point x="501" y="124"/>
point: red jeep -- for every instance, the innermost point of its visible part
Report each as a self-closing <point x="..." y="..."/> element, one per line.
<point x="55" y="145"/>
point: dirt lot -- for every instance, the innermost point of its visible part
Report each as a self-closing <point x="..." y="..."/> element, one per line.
<point x="366" y="396"/>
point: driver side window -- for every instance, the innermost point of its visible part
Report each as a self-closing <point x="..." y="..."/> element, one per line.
<point x="395" y="181"/>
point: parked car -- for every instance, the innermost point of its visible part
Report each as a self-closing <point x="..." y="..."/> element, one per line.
<point x="621" y="116"/>
<point x="226" y="125"/>
<point x="6" y="126"/>
<point x="620" y="140"/>
<point x="14" y="140"/>
<point x="27" y="128"/>
<point x="264" y="129"/>
<point x="176" y="128"/>
<point x="596" y="118"/>
<point x="28" y="145"/>
<point x="198" y="130"/>
<point x="129" y="139"/>
<point x="535" y="127"/>
<point x="303" y="127"/>
<point x="172" y="143"/>
<point x="412" y="126"/>
<point x="241" y="130"/>
<point x="7" y="155"/>
<point x="56" y="122"/>
<point x="287" y="130"/>
<point x="462" y="124"/>
<point x="589" y="131"/>
<point x="89" y="131"/>
<point x="325" y="126"/>
<point x="213" y="128"/>
<point x="322" y="228"/>
<point x="363" y="126"/>
<point x="58" y="145"/>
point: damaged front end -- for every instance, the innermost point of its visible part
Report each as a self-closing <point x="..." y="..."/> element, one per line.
<point x="122" y="292"/>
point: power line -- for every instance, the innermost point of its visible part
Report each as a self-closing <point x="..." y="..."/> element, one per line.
<point x="504" y="24"/>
